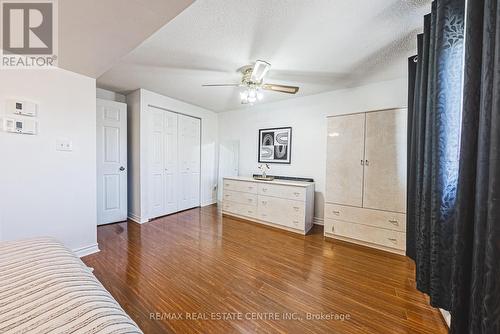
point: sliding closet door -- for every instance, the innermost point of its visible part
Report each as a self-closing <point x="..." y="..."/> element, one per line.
<point x="171" y="162"/>
<point x="189" y="162"/>
<point x="344" y="166"/>
<point x="385" y="167"/>
<point x="155" y="152"/>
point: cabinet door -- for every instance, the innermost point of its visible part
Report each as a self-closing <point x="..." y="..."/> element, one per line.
<point x="385" y="166"/>
<point x="189" y="161"/>
<point x="345" y="153"/>
<point x="171" y="162"/>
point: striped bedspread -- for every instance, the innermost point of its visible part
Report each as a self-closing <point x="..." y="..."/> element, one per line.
<point x="45" y="288"/>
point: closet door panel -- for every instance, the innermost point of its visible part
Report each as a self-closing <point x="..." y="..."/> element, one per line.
<point x="385" y="153"/>
<point x="171" y="161"/>
<point x="155" y="151"/>
<point x="345" y="152"/>
<point x="189" y="162"/>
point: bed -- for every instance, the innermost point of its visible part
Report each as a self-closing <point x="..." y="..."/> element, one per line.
<point x="45" y="288"/>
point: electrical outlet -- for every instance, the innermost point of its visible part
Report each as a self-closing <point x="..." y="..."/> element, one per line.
<point x="63" y="144"/>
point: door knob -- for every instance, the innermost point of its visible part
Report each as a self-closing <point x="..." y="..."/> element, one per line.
<point x="122" y="168"/>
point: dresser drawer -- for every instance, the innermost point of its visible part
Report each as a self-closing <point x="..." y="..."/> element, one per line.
<point x="241" y="186"/>
<point x="281" y="191"/>
<point x="383" y="237"/>
<point x="240" y="197"/>
<point x="384" y="219"/>
<point x="240" y="209"/>
<point x="281" y="211"/>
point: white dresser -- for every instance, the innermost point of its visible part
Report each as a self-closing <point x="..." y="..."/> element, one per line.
<point x="287" y="205"/>
<point x="365" y="200"/>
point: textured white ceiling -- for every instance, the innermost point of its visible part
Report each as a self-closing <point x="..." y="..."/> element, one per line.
<point x="319" y="45"/>
<point x="93" y="34"/>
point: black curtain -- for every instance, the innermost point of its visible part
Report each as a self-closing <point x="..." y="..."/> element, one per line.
<point x="476" y="251"/>
<point x="412" y="76"/>
<point x="434" y="135"/>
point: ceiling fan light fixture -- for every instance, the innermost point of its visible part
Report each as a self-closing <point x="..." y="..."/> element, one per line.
<point x="251" y="95"/>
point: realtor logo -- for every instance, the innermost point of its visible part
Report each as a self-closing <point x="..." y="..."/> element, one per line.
<point x="29" y="37"/>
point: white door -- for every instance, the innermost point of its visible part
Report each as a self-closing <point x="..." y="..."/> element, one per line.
<point x="111" y="162"/>
<point x="171" y="162"/>
<point x="189" y="149"/>
<point x="156" y="139"/>
<point x="345" y="158"/>
<point x="228" y="161"/>
<point x="385" y="155"/>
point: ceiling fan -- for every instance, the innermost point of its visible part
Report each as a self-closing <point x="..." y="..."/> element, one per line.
<point x="253" y="83"/>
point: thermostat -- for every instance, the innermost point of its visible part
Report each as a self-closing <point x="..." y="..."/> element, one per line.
<point x="22" y="126"/>
<point x="24" y="108"/>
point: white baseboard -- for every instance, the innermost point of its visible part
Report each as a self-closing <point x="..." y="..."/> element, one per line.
<point x="447" y="316"/>
<point x="87" y="250"/>
<point x="318" y="221"/>
<point x="136" y="219"/>
<point x="213" y="201"/>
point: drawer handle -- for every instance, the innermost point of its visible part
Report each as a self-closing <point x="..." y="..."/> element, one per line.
<point x="226" y="195"/>
<point x="296" y="194"/>
<point x="249" y="211"/>
<point x="394" y="222"/>
<point x="263" y="215"/>
<point x="336" y="213"/>
<point x="394" y="240"/>
<point x="295" y="222"/>
<point x="264" y="189"/>
<point x="264" y="202"/>
<point x="226" y="185"/>
<point x="296" y="208"/>
<point x="250" y="200"/>
<point x="250" y="188"/>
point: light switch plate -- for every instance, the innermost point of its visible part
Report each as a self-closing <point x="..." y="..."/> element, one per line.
<point x="63" y="144"/>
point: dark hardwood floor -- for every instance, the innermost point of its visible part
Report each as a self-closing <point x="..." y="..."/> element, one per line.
<point x="199" y="272"/>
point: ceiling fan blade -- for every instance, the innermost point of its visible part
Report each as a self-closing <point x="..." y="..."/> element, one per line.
<point x="221" y="85"/>
<point x="281" y="88"/>
<point x="259" y="71"/>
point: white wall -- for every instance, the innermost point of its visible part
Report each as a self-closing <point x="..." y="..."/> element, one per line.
<point x="44" y="192"/>
<point x="307" y="117"/>
<point x="110" y="95"/>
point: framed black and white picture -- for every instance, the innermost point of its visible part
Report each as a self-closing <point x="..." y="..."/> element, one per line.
<point x="275" y="145"/>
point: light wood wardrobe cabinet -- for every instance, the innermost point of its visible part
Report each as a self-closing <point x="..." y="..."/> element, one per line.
<point x="164" y="169"/>
<point x="365" y="199"/>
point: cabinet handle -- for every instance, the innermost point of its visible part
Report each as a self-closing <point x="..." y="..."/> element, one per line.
<point x="263" y="215"/>
<point x="336" y="213"/>
<point x="264" y="189"/>
<point x="367" y="163"/>
<point x="226" y="185"/>
<point x="362" y="163"/>
<point x="250" y="200"/>
<point x="250" y="211"/>
<point x="394" y="240"/>
<point x="296" y="208"/>
<point x="394" y="222"/>
<point x="250" y="188"/>
<point x="295" y="222"/>
<point x="264" y="202"/>
<point x="333" y="228"/>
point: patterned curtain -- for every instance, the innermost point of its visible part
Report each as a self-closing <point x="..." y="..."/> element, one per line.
<point x="434" y="137"/>
<point x="476" y="251"/>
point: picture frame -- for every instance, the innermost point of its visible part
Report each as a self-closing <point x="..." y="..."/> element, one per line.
<point x="275" y="145"/>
